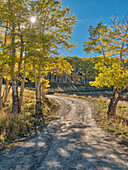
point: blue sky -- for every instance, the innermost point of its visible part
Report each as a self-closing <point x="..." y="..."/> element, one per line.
<point x="91" y="12"/>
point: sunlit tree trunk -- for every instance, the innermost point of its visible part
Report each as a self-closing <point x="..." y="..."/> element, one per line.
<point x="38" y="91"/>
<point x="6" y="90"/>
<point x="113" y="103"/>
<point x="15" y="99"/>
<point x="22" y="85"/>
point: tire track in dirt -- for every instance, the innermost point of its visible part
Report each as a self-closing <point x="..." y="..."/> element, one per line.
<point x="71" y="141"/>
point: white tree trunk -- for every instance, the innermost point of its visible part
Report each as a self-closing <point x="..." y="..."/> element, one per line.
<point x="22" y="85"/>
<point x="6" y="90"/>
<point x="38" y="92"/>
<point x="15" y="99"/>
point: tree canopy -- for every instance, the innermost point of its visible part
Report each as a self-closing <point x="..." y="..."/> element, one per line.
<point x="28" y="44"/>
<point x="110" y="42"/>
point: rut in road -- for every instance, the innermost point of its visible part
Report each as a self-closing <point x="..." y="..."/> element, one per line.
<point x="71" y="141"/>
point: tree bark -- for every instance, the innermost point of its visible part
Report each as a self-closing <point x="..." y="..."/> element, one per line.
<point x="52" y="77"/>
<point x="56" y="77"/>
<point x="74" y="80"/>
<point x="15" y="99"/>
<point x="84" y="80"/>
<point x="69" y="78"/>
<point x="63" y="77"/>
<point x="6" y="90"/>
<point x="22" y="85"/>
<point x="59" y="78"/>
<point x="38" y="93"/>
<point x="113" y="103"/>
<point x="1" y="82"/>
<point x="66" y="78"/>
<point x="35" y="78"/>
<point x="1" y="77"/>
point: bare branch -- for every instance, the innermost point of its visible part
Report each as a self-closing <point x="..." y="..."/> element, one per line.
<point x="124" y="96"/>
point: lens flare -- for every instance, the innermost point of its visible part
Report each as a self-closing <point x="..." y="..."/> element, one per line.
<point x="33" y="19"/>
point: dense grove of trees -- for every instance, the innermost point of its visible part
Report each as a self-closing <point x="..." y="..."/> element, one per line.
<point x="81" y="70"/>
<point x="28" y="48"/>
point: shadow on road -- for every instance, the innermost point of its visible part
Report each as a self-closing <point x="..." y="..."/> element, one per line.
<point x="62" y="147"/>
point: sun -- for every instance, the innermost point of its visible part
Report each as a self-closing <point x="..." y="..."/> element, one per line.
<point x="33" y="19"/>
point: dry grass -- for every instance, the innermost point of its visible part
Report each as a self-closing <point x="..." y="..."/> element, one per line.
<point x="14" y="127"/>
<point x="118" y="125"/>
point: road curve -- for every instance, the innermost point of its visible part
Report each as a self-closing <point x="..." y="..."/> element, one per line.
<point x="71" y="141"/>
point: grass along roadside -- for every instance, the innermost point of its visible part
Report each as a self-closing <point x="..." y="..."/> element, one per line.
<point x="118" y="125"/>
<point x="15" y="127"/>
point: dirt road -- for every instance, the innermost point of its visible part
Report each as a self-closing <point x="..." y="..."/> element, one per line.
<point x="71" y="141"/>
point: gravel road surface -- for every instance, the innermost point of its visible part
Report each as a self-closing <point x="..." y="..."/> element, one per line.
<point x="71" y="141"/>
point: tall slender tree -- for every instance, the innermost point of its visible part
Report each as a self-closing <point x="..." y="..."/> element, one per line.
<point x="12" y="18"/>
